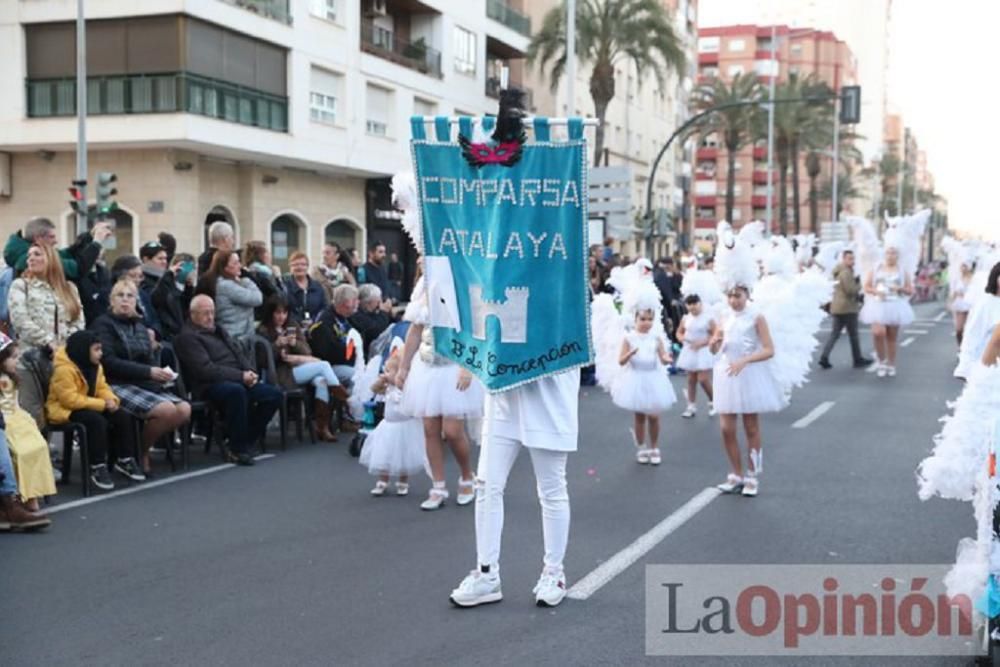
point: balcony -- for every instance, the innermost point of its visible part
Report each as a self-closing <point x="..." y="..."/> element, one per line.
<point x="416" y="55"/>
<point x="711" y="58"/>
<point x="707" y="153"/>
<point x="493" y="90"/>
<point x="704" y="201"/>
<point x="277" y="10"/>
<point x="760" y="151"/>
<point x="160" y="93"/>
<point x="760" y="177"/>
<point x="500" y="11"/>
<point x="758" y="201"/>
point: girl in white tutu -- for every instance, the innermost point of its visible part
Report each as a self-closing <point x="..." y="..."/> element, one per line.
<point x="444" y="395"/>
<point x="695" y="332"/>
<point x="887" y="308"/>
<point x="396" y="446"/>
<point x="959" y="301"/>
<point x="744" y="384"/>
<point x="643" y="386"/>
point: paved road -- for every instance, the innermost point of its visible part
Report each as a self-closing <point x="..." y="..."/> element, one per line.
<point x="292" y="563"/>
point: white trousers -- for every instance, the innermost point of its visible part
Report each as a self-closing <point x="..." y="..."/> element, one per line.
<point x="491" y="479"/>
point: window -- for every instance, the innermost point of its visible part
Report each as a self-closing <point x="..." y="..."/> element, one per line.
<point x="423" y="107"/>
<point x="737" y="44"/>
<point x="737" y="214"/>
<point x="465" y="51"/>
<point x="324" y="90"/>
<point x="796" y="49"/>
<point x="708" y="45"/>
<point x="324" y="9"/>
<point x="705" y="188"/>
<point x="735" y="70"/>
<point x="378" y="102"/>
<point x="710" y="71"/>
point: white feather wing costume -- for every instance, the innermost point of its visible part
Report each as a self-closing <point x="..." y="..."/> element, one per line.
<point x="904" y="233"/>
<point x="611" y="317"/>
<point x="866" y="244"/>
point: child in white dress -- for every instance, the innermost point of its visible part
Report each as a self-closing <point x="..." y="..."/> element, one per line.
<point x="396" y="447"/>
<point x="887" y="308"/>
<point x="643" y="386"/>
<point x="695" y="332"/>
<point x="745" y="385"/>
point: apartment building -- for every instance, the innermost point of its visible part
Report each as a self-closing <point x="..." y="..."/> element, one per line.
<point x="284" y="117"/>
<point x="730" y="50"/>
<point x="639" y="119"/>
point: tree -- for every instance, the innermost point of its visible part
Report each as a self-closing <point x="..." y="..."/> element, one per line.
<point x="608" y="31"/>
<point x="738" y="126"/>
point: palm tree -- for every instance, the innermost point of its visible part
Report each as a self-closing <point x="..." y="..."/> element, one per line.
<point x="738" y="126"/>
<point x="608" y="31"/>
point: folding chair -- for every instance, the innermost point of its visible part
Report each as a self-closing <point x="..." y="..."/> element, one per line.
<point x="299" y="397"/>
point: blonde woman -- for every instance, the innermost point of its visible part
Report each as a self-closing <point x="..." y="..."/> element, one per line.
<point x="45" y="311"/>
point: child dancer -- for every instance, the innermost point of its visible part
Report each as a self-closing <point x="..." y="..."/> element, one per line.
<point x="396" y="446"/>
<point x="79" y="393"/>
<point x="642" y="386"/>
<point x="28" y="449"/>
<point x="696" y="331"/>
<point x="887" y="308"/>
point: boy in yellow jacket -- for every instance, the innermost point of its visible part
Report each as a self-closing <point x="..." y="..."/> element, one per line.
<point x="79" y="393"/>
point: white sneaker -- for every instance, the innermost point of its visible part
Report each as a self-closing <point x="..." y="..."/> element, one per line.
<point x="435" y="499"/>
<point x="750" y="486"/>
<point x="379" y="489"/>
<point x="476" y="589"/>
<point x="654" y="456"/>
<point x="642" y="455"/>
<point x="891" y="371"/>
<point x="881" y="370"/>
<point x="732" y="484"/>
<point x="711" y="410"/>
<point x="402" y="488"/>
<point x="690" y="412"/>
<point x="550" y="589"/>
<point x="466" y="491"/>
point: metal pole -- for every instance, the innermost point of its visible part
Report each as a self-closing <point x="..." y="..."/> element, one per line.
<point x="899" y="184"/>
<point x="570" y="58"/>
<point x="836" y="157"/>
<point x="81" y="111"/>
<point x="770" y="130"/>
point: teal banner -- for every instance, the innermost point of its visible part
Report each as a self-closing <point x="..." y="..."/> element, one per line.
<point x="505" y="254"/>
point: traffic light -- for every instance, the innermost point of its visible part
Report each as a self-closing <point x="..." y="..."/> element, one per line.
<point x="850" y="105"/>
<point x="105" y="191"/>
<point x="78" y="197"/>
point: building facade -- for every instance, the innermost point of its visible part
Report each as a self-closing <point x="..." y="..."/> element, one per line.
<point x="284" y="117"/>
<point x="741" y="49"/>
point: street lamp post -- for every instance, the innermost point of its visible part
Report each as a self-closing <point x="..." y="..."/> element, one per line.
<point x="81" y="115"/>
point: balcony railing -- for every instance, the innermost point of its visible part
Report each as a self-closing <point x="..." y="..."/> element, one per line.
<point x="493" y="90"/>
<point x="498" y="10"/>
<point x="416" y="55"/>
<point x="160" y="93"/>
<point x="272" y="9"/>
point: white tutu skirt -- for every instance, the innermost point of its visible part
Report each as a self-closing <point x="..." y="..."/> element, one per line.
<point x="432" y="391"/>
<point x="695" y="360"/>
<point x="646" y="392"/>
<point x="753" y="391"/>
<point x="395" y="448"/>
<point x="895" y="313"/>
<point x="961" y="306"/>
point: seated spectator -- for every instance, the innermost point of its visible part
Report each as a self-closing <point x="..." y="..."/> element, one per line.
<point x="130" y="267"/>
<point x="220" y="237"/>
<point x="32" y="469"/>
<point x="14" y="516"/>
<point x="218" y="370"/>
<point x="329" y="337"/>
<point x="267" y="278"/>
<point x="234" y="294"/>
<point x="296" y="366"/>
<point x="373" y="315"/>
<point x="45" y="310"/>
<point x="305" y="295"/>
<point x="334" y="271"/>
<point x="79" y="393"/>
<point x="172" y="295"/>
<point x="131" y="364"/>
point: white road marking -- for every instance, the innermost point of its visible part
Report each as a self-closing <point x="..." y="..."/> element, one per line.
<point x="918" y="332"/>
<point x="146" y="486"/>
<point x="907" y="342"/>
<point x="814" y="414"/>
<point x="622" y="560"/>
<point x="943" y="314"/>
